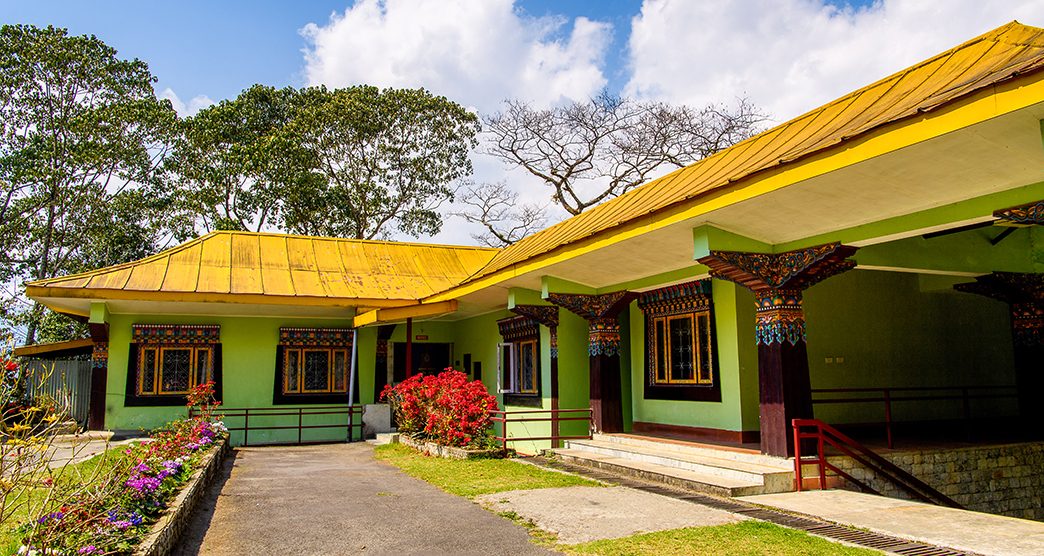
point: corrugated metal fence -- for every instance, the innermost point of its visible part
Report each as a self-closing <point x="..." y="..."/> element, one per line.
<point x="67" y="381"/>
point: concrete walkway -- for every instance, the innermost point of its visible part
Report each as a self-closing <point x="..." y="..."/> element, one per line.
<point x="960" y="529"/>
<point x="336" y="499"/>
<point x="580" y="514"/>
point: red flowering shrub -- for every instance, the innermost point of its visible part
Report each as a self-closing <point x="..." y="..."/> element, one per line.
<point x="447" y="408"/>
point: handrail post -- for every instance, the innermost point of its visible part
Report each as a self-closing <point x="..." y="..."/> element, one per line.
<point x="300" y="423"/>
<point x="797" y="454"/>
<point x="246" y="426"/>
<point x="503" y="428"/>
<point x="888" y="416"/>
<point x="822" y="459"/>
<point x="554" y="429"/>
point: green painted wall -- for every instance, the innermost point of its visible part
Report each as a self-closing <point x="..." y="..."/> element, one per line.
<point x="890" y="332"/>
<point x="737" y="366"/>
<point x="968" y="251"/>
<point x="248" y="351"/>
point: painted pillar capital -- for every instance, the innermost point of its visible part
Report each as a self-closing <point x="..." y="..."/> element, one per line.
<point x="777" y="280"/>
<point x="600" y="312"/>
<point x="1024" y="294"/>
<point x="1024" y="215"/>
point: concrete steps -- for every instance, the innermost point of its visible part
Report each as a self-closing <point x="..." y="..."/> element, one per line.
<point x="698" y="468"/>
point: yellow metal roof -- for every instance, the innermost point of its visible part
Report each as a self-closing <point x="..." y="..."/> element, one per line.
<point x="245" y="266"/>
<point x="1006" y="52"/>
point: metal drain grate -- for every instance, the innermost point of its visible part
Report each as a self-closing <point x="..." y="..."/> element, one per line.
<point x="868" y="539"/>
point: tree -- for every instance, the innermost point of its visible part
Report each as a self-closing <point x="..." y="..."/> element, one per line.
<point x="234" y="163"/>
<point x="496" y="208"/>
<point x="379" y="161"/>
<point x="609" y="144"/>
<point x="82" y="135"/>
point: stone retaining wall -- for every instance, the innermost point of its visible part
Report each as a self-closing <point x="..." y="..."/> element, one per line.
<point x="439" y="450"/>
<point x="166" y="532"/>
<point x="1005" y="480"/>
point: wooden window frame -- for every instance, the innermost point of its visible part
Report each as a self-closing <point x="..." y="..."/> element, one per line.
<point x="157" y="369"/>
<point x="666" y="345"/>
<point x="514" y="377"/>
<point x="331" y="369"/>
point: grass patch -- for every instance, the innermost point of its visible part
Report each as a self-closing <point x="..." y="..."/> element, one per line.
<point x="470" y="478"/>
<point x="745" y="537"/>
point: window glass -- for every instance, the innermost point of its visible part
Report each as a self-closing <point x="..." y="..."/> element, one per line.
<point x="527" y="367"/>
<point x="175" y="370"/>
<point x="292" y="370"/>
<point x="340" y="371"/>
<point x="681" y="354"/>
<point x="316" y="370"/>
<point x="660" y="351"/>
<point x="148" y="371"/>
<point x="202" y="366"/>
<point x="706" y="364"/>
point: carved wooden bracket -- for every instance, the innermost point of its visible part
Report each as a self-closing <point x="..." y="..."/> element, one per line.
<point x="1024" y="293"/>
<point x="1022" y="215"/>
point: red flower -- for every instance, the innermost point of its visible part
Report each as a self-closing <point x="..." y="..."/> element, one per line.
<point x="11" y="366"/>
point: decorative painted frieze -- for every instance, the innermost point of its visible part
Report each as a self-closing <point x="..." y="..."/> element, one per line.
<point x="546" y="315"/>
<point x="1025" y="215"/>
<point x="176" y="333"/>
<point x="681" y="298"/>
<point x="315" y="336"/>
<point x="514" y="329"/>
<point x="591" y="307"/>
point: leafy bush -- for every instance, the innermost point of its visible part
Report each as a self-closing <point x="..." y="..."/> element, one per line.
<point x="446" y="408"/>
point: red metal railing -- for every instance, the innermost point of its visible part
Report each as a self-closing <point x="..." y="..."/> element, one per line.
<point x="353" y="414"/>
<point x="889" y="396"/>
<point x="553" y="416"/>
<point x="823" y="435"/>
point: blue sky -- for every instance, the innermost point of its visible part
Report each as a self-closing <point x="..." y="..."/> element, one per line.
<point x="785" y="56"/>
<point x="218" y="48"/>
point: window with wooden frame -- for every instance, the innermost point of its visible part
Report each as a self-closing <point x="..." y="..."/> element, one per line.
<point x="167" y="361"/>
<point x="173" y="369"/>
<point x="315" y="370"/>
<point x="680" y="352"/>
<point x="518" y="358"/>
<point x="520" y="367"/>
<point x="313" y="366"/>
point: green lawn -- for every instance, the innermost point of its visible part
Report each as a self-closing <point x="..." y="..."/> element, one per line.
<point x="73" y="473"/>
<point x="746" y="537"/>
<point x="471" y="478"/>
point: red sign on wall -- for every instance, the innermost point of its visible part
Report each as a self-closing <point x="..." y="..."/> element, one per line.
<point x="421" y="337"/>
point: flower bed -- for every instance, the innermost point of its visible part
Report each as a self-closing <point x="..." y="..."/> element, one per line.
<point x="113" y="511"/>
<point x="444" y="415"/>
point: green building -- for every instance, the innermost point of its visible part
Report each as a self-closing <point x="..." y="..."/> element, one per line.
<point x="820" y="260"/>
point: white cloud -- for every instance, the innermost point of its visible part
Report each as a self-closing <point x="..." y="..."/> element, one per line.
<point x="195" y="104"/>
<point x="789" y="56"/>
<point x="476" y="52"/>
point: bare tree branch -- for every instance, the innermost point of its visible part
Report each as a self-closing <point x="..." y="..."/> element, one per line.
<point x="496" y="207"/>
<point x="615" y="142"/>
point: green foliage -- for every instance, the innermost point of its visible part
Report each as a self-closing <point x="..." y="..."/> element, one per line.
<point x="473" y="477"/>
<point x="358" y="162"/>
<point x="746" y="537"/>
<point x="81" y="137"/>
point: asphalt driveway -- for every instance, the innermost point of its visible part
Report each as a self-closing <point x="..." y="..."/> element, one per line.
<point x="336" y="499"/>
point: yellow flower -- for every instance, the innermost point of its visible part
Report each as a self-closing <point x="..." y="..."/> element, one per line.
<point x="19" y="427"/>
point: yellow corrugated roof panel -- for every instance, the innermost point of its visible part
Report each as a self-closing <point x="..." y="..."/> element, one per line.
<point x="1001" y="54"/>
<point x="223" y="265"/>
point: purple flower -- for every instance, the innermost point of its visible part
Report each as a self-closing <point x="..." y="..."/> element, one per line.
<point x="50" y="516"/>
<point x="142" y="468"/>
<point x="89" y="549"/>
<point x="126" y="521"/>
